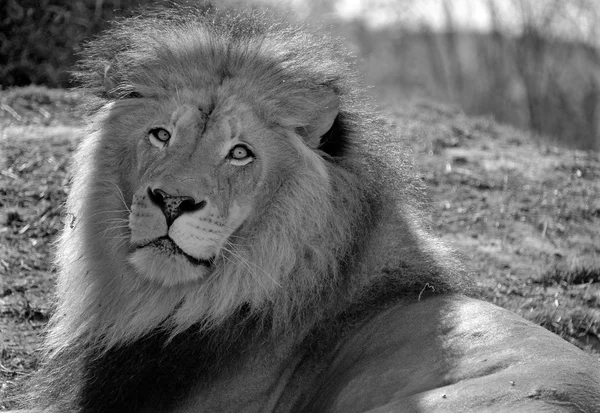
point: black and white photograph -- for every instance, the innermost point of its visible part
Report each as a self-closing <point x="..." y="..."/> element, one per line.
<point x="299" y="206"/>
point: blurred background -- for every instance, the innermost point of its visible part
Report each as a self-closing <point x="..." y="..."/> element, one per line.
<point x="530" y="63"/>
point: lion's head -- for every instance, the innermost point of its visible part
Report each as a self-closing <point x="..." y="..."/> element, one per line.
<point x="233" y="165"/>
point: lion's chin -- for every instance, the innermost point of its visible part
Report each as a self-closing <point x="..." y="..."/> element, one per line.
<point x="168" y="266"/>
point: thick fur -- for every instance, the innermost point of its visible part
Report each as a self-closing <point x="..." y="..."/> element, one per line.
<point x="334" y="229"/>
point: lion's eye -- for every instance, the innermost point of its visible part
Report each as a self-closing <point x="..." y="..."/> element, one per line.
<point x="159" y="137"/>
<point x="240" y="155"/>
<point x="239" y="152"/>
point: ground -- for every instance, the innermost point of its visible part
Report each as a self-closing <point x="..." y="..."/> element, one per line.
<point x="525" y="214"/>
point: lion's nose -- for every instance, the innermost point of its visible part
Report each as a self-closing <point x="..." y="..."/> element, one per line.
<point x="173" y="206"/>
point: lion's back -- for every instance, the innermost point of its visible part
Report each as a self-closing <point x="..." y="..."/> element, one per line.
<point x="455" y="354"/>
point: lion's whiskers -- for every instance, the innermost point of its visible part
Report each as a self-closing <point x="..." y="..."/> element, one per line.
<point x="110" y="221"/>
<point x="115" y="211"/>
<point x="118" y="237"/>
<point x="121" y="196"/>
<point x="117" y="227"/>
<point x="249" y="265"/>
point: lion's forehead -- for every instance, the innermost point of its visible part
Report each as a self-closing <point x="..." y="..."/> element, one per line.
<point x="221" y="108"/>
<point x="201" y="129"/>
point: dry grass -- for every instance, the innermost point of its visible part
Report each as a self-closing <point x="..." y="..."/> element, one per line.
<point x="526" y="216"/>
<point x="34" y="158"/>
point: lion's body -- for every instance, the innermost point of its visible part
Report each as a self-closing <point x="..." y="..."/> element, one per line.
<point x="246" y="237"/>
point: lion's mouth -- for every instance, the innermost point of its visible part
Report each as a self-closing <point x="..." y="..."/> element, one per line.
<point x="167" y="245"/>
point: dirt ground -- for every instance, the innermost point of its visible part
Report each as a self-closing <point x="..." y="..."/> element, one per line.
<point x="525" y="214"/>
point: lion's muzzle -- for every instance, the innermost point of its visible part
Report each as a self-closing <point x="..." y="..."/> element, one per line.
<point x="167" y="245"/>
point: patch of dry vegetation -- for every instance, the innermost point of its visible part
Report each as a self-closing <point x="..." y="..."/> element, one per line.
<point x="38" y="105"/>
<point x="33" y="187"/>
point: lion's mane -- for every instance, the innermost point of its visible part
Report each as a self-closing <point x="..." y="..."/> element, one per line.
<point x="350" y="230"/>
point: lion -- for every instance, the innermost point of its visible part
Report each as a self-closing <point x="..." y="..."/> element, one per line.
<point x="246" y="235"/>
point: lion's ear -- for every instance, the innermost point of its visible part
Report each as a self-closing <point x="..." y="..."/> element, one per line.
<point x="323" y="122"/>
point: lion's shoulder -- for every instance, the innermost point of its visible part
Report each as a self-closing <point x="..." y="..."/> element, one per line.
<point x="454" y="353"/>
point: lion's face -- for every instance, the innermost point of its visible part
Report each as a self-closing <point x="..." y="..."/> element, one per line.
<point x="197" y="174"/>
<point x="212" y="181"/>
